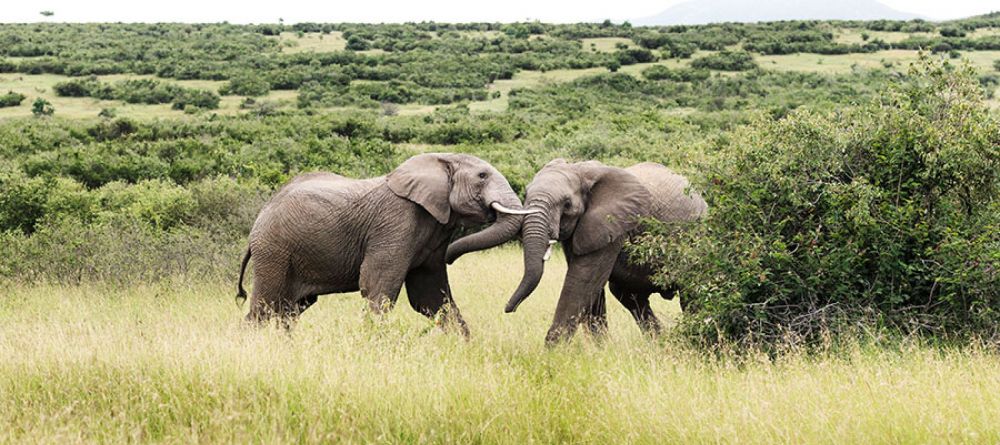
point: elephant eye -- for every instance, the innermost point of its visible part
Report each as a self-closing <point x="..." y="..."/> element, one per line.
<point x="482" y="175"/>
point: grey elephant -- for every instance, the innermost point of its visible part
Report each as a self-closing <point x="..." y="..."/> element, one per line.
<point x="323" y="233"/>
<point x="592" y="209"/>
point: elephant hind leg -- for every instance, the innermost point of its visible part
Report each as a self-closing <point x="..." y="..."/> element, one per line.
<point x="637" y="304"/>
<point x="271" y="295"/>
<point x="597" y="317"/>
<point x="290" y="314"/>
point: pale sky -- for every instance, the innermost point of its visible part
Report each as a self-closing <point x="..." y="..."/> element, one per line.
<point x="376" y="11"/>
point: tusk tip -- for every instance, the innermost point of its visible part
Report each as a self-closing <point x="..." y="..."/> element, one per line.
<point x="503" y="209"/>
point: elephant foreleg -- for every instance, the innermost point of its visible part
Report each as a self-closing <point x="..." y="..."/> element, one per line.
<point x="585" y="280"/>
<point x="429" y="293"/>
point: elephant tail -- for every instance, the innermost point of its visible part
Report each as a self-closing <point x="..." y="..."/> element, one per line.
<point x="241" y="294"/>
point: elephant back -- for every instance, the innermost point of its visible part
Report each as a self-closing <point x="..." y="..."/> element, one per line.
<point x="671" y="201"/>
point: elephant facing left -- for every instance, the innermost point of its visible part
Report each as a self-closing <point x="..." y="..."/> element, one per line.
<point x="323" y="233"/>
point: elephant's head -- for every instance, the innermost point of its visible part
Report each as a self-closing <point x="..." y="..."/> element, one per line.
<point x="586" y="205"/>
<point x="461" y="189"/>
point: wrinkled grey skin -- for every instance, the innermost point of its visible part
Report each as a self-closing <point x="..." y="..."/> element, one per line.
<point x="323" y="233"/>
<point x="592" y="209"/>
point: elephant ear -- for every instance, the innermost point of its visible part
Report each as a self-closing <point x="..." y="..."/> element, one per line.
<point x="617" y="201"/>
<point x="426" y="180"/>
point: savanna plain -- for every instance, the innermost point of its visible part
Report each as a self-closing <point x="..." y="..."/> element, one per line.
<point x="845" y="283"/>
<point x="172" y="362"/>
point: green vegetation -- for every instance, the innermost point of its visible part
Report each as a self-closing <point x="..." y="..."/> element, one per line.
<point x="726" y="61"/>
<point x="42" y="107"/>
<point x="141" y="91"/>
<point x="11" y="99"/>
<point x="170" y="363"/>
<point x="851" y="245"/>
<point x="884" y="214"/>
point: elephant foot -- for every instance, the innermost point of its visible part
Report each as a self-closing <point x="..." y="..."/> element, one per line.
<point x="559" y="334"/>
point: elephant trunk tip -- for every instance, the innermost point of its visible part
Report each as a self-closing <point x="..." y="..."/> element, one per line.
<point x="511" y="307"/>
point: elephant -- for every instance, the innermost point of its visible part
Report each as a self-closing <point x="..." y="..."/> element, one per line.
<point x="592" y="209"/>
<point x="322" y="233"/>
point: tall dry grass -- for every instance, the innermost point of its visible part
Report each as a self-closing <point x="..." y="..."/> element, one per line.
<point x="172" y="363"/>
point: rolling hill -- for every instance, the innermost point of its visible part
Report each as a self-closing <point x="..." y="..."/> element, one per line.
<point x="695" y="12"/>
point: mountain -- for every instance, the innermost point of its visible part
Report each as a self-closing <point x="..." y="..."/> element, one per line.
<point x="696" y="12"/>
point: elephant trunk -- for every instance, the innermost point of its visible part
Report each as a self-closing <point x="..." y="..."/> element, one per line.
<point x="535" y="236"/>
<point x="504" y="229"/>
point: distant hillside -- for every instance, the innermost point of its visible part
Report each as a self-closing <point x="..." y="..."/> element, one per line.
<point x="696" y="12"/>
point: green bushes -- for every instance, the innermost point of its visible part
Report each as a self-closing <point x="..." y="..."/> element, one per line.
<point x="11" y="99"/>
<point x="884" y="215"/>
<point x="41" y="108"/>
<point x="138" y="91"/>
<point x="56" y="230"/>
<point x="246" y="84"/>
<point x="726" y="61"/>
<point x="660" y="72"/>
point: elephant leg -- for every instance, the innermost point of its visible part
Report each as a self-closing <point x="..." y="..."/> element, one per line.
<point x="270" y="291"/>
<point x="637" y="304"/>
<point x="429" y="293"/>
<point x="291" y="315"/>
<point x="597" y="316"/>
<point x="381" y="279"/>
<point x="585" y="280"/>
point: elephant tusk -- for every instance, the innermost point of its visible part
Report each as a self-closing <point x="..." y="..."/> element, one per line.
<point x="548" y="252"/>
<point x="500" y="208"/>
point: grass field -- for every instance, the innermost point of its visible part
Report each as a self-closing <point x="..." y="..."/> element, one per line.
<point x="171" y="363"/>
<point x="312" y="42"/>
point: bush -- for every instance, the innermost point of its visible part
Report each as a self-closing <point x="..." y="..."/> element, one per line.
<point x="726" y="61"/>
<point x="634" y="56"/>
<point x="660" y="72"/>
<point x="951" y="31"/>
<point x="246" y="84"/>
<point x="138" y="91"/>
<point x="885" y="214"/>
<point x="87" y="87"/>
<point x="11" y="99"/>
<point x="196" y="98"/>
<point x="42" y="107"/>
<point x="22" y="201"/>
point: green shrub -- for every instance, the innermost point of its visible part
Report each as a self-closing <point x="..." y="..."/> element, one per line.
<point x="246" y="84"/>
<point x="138" y="91"/>
<point x="195" y="98"/>
<point x="84" y="87"/>
<point x="161" y="204"/>
<point x="42" y="107"/>
<point x="11" y="99"/>
<point x="726" y="61"/>
<point x="660" y="72"/>
<point x="952" y="31"/>
<point x="22" y="200"/>
<point x="119" y="250"/>
<point x="817" y="222"/>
